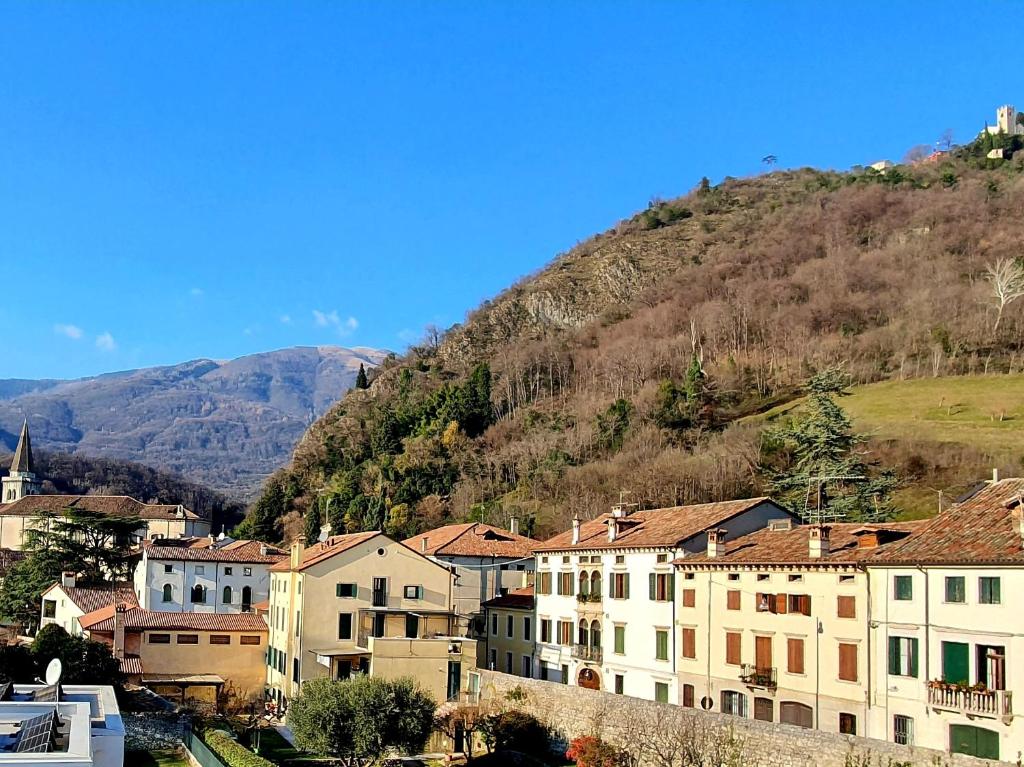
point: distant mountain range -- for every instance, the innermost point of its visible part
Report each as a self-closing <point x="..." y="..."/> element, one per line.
<point x="226" y="425"/>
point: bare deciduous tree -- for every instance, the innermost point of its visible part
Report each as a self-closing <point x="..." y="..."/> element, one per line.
<point x="1006" y="276"/>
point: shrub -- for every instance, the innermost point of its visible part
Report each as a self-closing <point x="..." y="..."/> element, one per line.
<point x="231" y="753"/>
<point x="590" y="751"/>
<point x="515" y="731"/>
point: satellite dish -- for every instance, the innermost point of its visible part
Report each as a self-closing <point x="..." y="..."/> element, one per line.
<point x="53" y="671"/>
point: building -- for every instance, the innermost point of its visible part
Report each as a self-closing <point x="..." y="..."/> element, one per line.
<point x="65" y="602"/>
<point x="21" y="480"/>
<point x="947" y="633"/>
<point x="593" y="629"/>
<point x="364" y="603"/>
<point x="774" y="625"/>
<point x="507" y="643"/>
<point x="487" y="561"/>
<point x="207" y="659"/>
<point x="219" y="575"/>
<point x="51" y="726"/>
<point x="882" y="165"/>
<point x="1007" y="121"/>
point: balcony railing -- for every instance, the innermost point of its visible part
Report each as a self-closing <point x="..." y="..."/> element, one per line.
<point x="466" y="698"/>
<point x="586" y="652"/>
<point x="589" y="597"/>
<point x="758" y="676"/>
<point x="994" y="703"/>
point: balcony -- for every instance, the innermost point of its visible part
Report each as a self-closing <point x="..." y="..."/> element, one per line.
<point x="587" y="653"/>
<point x="965" y="700"/>
<point x="758" y="676"/>
<point x="589" y="598"/>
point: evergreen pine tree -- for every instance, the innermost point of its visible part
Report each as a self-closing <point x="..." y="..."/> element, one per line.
<point x="361" y="382"/>
<point x="311" y="523"/>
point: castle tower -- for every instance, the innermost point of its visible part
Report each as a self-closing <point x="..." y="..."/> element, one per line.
<point x="1006" y="120"/>
<point x="21" y="481"/>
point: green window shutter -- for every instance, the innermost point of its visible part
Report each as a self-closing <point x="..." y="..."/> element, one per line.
<point x="337" y="590"/>
<point x="620" y="640"/>
<point x="611" y="586"/>
<point x="671" y="587"/>
<point x="650" y="586"/>
<point x="913" y="657"/>
<point x="626" y="595"/>
<point x="894" y="655"/>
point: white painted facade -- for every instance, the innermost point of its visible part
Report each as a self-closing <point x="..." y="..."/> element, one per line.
<point x="167" y="585"/>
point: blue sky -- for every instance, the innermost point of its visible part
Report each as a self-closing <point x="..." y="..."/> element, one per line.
<point x="211" y="179"/>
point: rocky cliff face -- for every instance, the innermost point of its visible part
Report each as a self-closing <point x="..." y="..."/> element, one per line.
<point x="224" y="424"/>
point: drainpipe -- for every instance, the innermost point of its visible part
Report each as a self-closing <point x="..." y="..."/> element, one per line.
<point x="868" y="611"/>
<point x="707" y="651"/>
<point x="927" y="630"/>
<point x="817" y="674"/>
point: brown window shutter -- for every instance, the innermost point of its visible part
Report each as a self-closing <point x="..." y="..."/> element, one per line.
<point x="780" y="604"/>
<point x="795" y="656"/>
<point x="732" y="648"/>
<point x="733" y="600"/>
<point x="846" y="607"/>
<point x="805" y="604"/>
<point x="689" y="597"/>
<point x="848" y="662"/>
<point x="689" y="643"/>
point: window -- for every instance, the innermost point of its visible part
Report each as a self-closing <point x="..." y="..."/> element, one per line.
<point x="200" y="569"/>
<point x="733" y="645"/>
<point x="345" y="590"/>
<point x="689" y="597"/>
<point x="545" y="629"/>
<point x="955" y="591"/>
<point x="661" y="692"/>
<point x="249" y="639"/>
<point x="688" y="576"/>
<point x="168" y="595"/>
<point x="49" y="608"/>
<point x="565" y="584"/>
<point x="903" y="656"/>
<point x="800" y="603"/>
<point x="565" y="632"/>
<point x="846" y="607"/>
<point x="295" y="670"/>
<point x="508" y="663"/>
<point x="619" y="634"/>
<point x="847" y="662"/>
<point x="764" y="709"/>
<point x="494" y="624"/>
<point x="689" y="643"/>
<point x="247" y="597"/>
<point x="795" y="578"/>
<point x="734" y="576"/>
<point x="688" y="695"/>
<point x="168" y="568"/>
<point x="795" y="655"/>
<point x="988" y="590"/>
<point x="620" y="684"/>
<point x="847" y="724"/>
<point x="732" y="600"/>
<point x="188" y="639"/>
<point x="227" y="571"/>
<point x="543" y="560"/>
<point x="527" y="629"/>
<point x="903" y="730"/>
<point x="791" y="712"/>
<point x="620" y="559"/>
<point x="198" y="595"/>
<point x="565" y="560"/>
<point x="510" y="628"/>
<point x="762" y="577"/>
<point x="846" y="579"/>
<point x="661" y="644"/>
<point x="734" y="703"/>
<point x="220" y="639"/>
<point x="527" y="667"/>
<point x="662" y="558"/>
<point x="584" y="632"/>
<point x="492" y="660"/>
<point x="248" y="571"/>
<point x="660" y="587"/>
<point x="618" y="586"/>
<point x="344" y="625"/>
<point x="414" y="592"/>
<point x="544" y="583"/>
<point x="159" y="638"/>
<point x="226" y="597"/>
<point x="903" y="587"/>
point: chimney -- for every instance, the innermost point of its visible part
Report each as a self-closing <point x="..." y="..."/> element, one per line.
<point x="618" y="511"/>
<point x="818" y="541"/>
<point x="119" y="611"/>
<point x="298" y="546"/>
<point x="1017" y="515"/>
<point x="67" y="579"/>
<point x="716" y="542"/>
<point x="264" y="550"/>
<point x="613" y="528"/>
<point x="513" y="525"/>
<point x="423" y="544"/>
<point x="995" y="476"/>
<point x="575" y="529"/>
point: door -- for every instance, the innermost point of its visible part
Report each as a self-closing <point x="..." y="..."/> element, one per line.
<point x="764" y="709"/>
<point x="412" y="626"/>
<point x="763" y="653"/>
<point x="378" y="624"/>
<point x="791" y="712"/>
<point x="454" y="678"/>
<point x="380" y="592"/>
<point x="955" y="663"/>
<point x="974" y="741"/>
<point x="991" y="665"/>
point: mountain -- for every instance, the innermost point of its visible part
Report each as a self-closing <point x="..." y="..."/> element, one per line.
<point x="623" y="369"/>
<point x="226" y="425"/>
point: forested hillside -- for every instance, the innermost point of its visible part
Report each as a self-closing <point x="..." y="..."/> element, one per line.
<point x="626" y="363"/>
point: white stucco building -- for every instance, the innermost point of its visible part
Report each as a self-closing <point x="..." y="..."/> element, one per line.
<point x="209" y="575"/>
<point x="604" y="593"/>
<point x="1006" y="122"/>
<point x="65" y="602"/>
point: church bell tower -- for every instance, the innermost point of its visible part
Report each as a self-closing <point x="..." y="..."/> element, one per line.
<point x="21" y="480"/>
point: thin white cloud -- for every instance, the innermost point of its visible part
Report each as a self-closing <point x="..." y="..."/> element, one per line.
<point x="333" y="320"/>
<point x="286" y="319"/>
<point x="196" y="292"/>
<point x="70" y="331"/>
<point x="105" y="342"/>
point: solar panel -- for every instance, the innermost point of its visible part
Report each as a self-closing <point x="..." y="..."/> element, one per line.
<point x="46" y="694"/>
<point x="36" y="734"/>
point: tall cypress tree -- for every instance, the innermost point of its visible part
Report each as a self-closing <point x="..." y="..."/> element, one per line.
<point x="361" y="382"/>
<point x="311" y="523"/>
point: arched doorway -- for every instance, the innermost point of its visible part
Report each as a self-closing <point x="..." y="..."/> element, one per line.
<point x="589" y="679"/>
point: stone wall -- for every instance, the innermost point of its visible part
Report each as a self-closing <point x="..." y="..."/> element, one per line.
<point x="659" y="734"/>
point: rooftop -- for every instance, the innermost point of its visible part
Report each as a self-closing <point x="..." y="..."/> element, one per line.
<point x="114" y="505"/>
<point x="318" y="552"/>
<point x="653" y="528"/>
<point x="213" y="550"/>
<point x="473" y="539"/>
<point x="89" y="598"/>
<point x="137" y="619"/>
<point x="515" y="599"/>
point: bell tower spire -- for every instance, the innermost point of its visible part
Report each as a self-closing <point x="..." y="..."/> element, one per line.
<point x="21" y="480"/>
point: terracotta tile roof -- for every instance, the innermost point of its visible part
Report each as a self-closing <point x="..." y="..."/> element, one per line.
<point x="203" y="550"/>
<point x="654" y="527"/>
<point x="471" y="539"/>
<point x="115" y="505"/>
<point x="984" y="528"/>
<point x="318" y="552"/>
<point x="89" y="598"/>
<point x="520" y="599"/>
<point x="131" y="665"/>
<point x="790" y="546"/>
<point x="137" y="619"/>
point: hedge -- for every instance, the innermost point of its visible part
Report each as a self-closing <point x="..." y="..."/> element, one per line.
<point x="231" y="753"/>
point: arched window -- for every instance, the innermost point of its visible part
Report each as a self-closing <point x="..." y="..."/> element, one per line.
<point x="198" y="595"/>
<point x="595" y="635"/>
<point x="168" y="593"/>
<point x="246" y="598"/>
<point x="584" y="585"/>
<point x="583" y="634"/>
<point x="227" y="595"/>
<point x="595" y="583"/>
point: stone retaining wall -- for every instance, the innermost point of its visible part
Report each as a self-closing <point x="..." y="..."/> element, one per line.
<point x="661" y="734"/>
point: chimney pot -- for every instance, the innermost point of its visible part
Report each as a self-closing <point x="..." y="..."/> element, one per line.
<point x="67" y="579"/>
<point x="1017" y="515"/>
<point x="613" y="528"/>
<point x="716" y="542"/>
<point x="995" y="475"/>
<point x="818" y="541"/>
<point x="423" y="544"/>
<point x="575" y="530"/>
<point x="513" y="525"/>
<point x="298" y="546"/>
